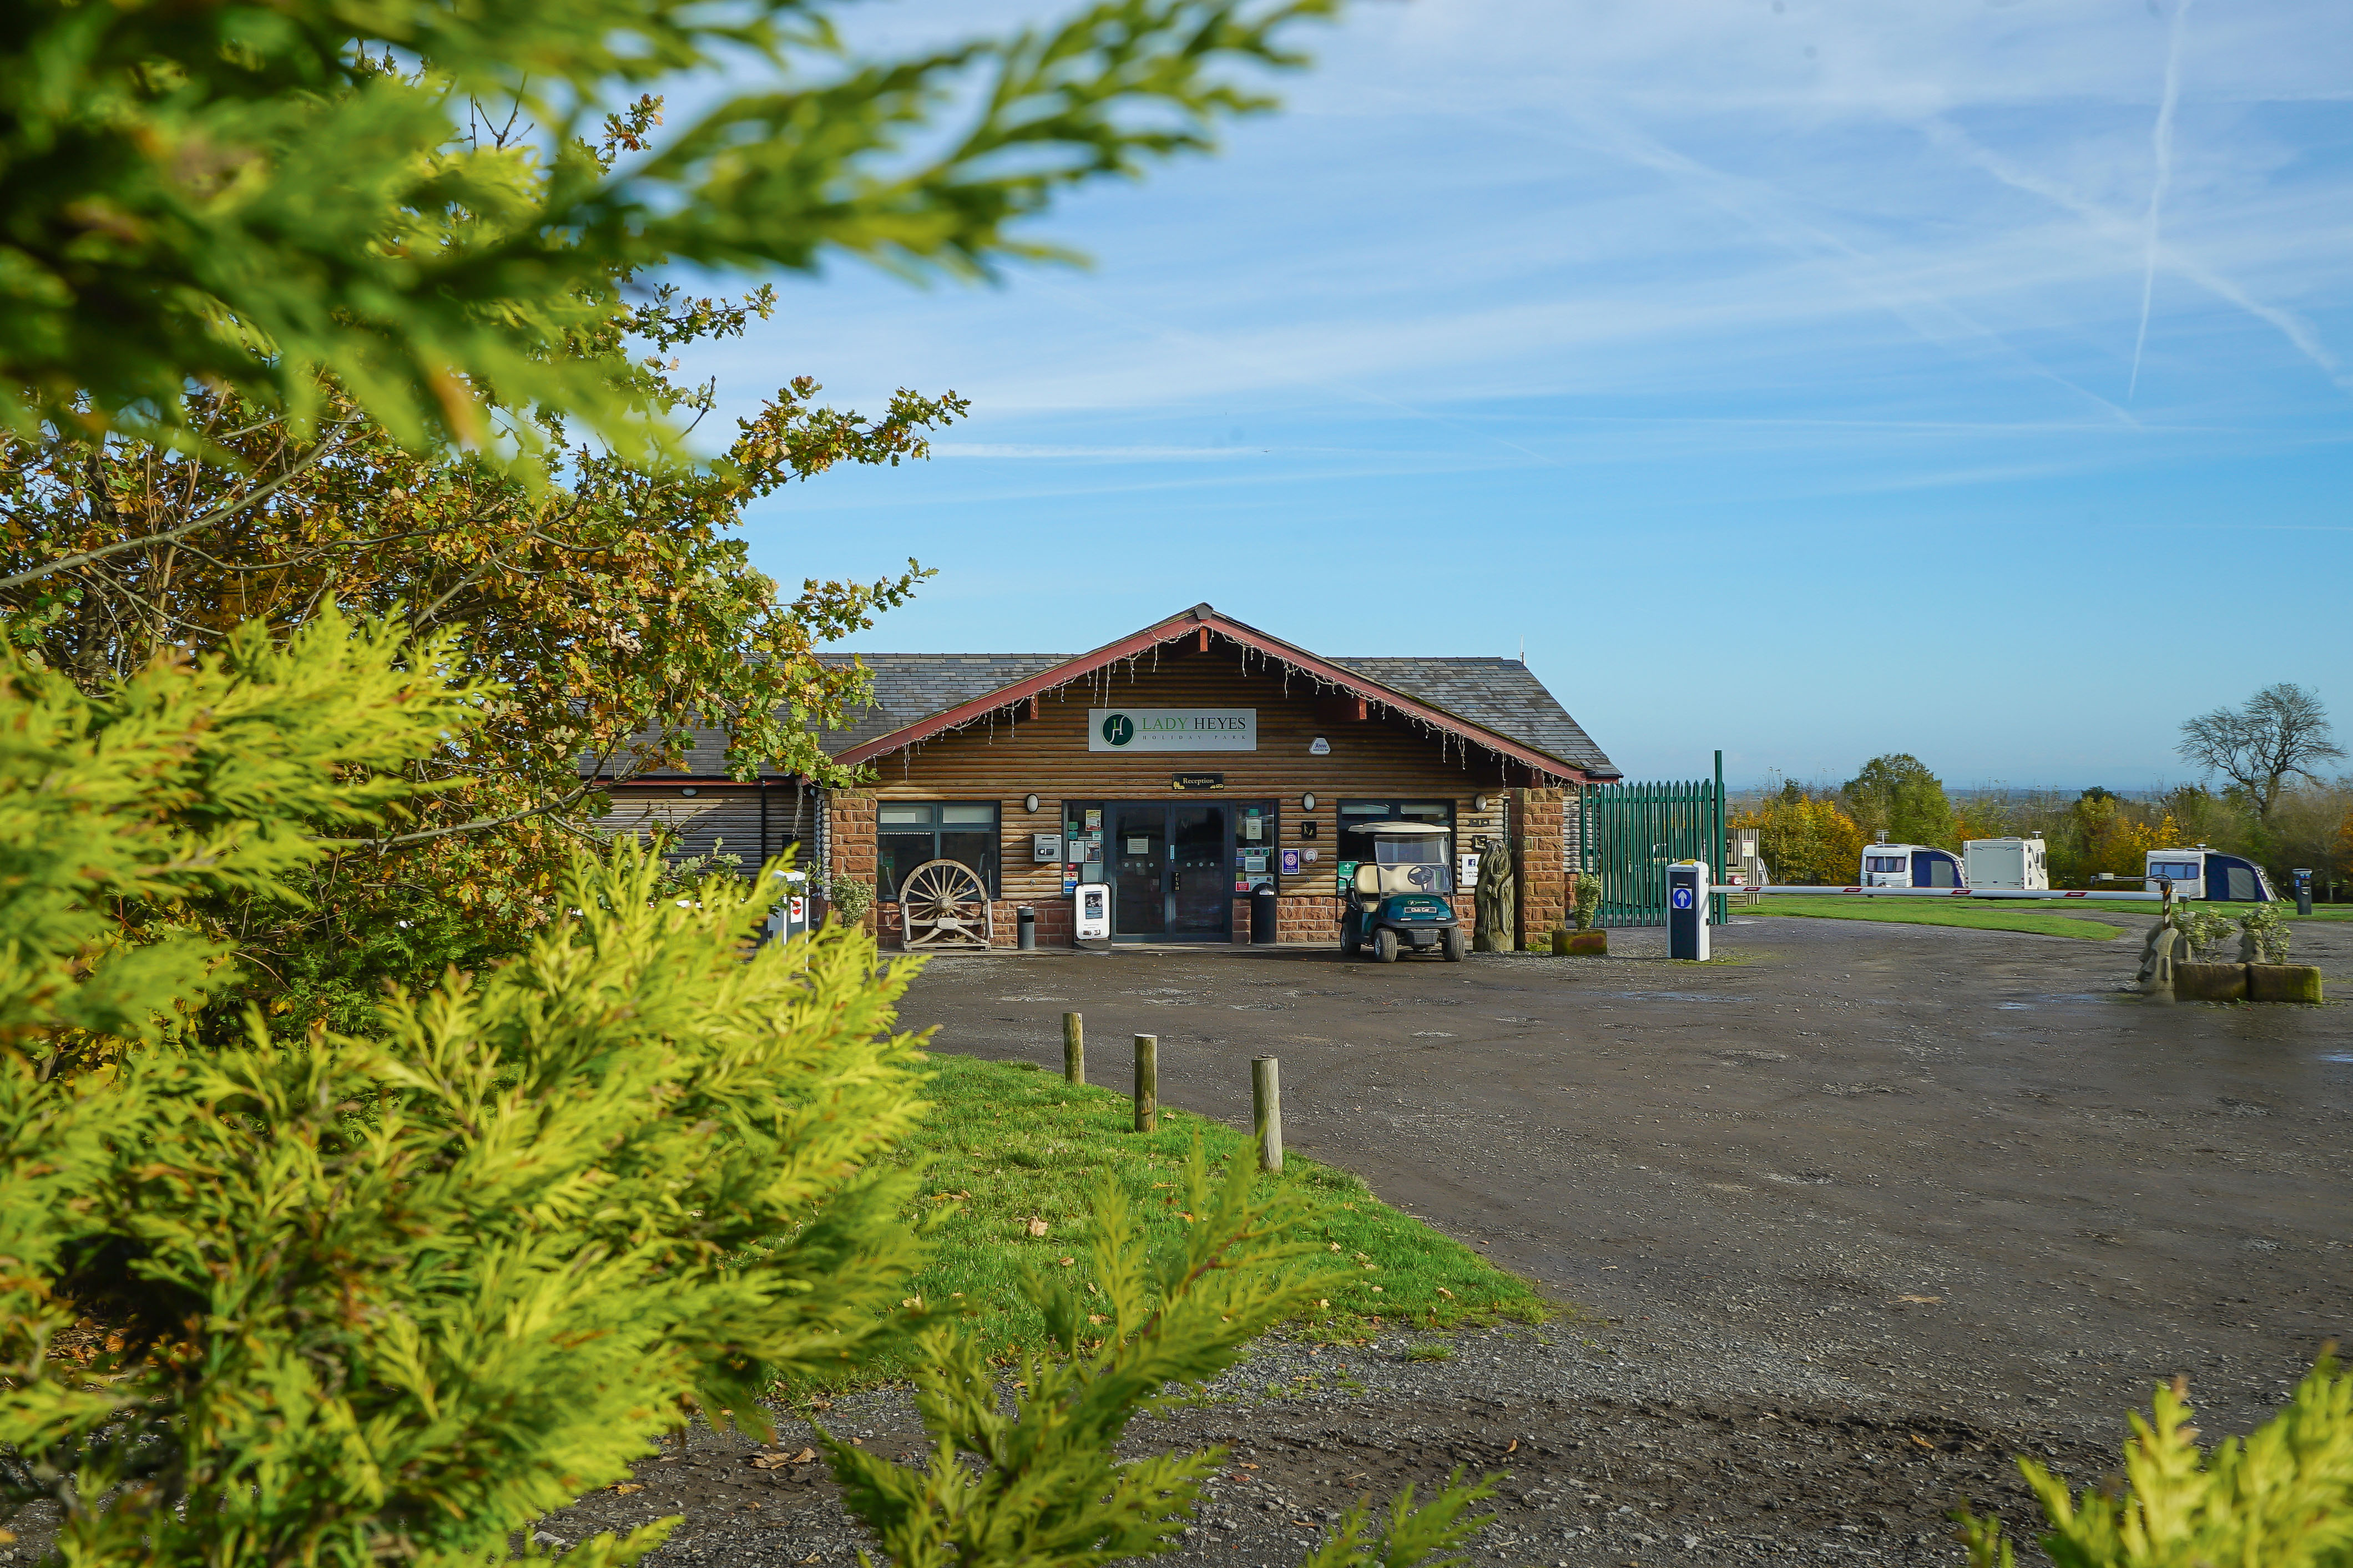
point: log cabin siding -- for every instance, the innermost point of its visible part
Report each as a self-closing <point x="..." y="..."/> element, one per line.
<point x="1381" y="756"/>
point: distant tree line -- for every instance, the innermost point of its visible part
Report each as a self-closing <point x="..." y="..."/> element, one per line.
<point x="2267" y="800"/>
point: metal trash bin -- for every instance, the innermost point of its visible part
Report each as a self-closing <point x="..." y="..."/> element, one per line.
<point x="1263" y="919"/>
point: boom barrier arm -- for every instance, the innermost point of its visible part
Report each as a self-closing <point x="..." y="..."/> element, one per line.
<point x="1777" y="888"/>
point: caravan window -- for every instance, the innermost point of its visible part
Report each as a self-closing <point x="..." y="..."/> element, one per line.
<point x="2175" y="871"/>
<point x="1882" y="863"/>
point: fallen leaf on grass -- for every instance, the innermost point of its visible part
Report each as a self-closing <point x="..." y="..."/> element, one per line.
<point x="1037" y="1225"/>
<point x="1065" y="1262"/>
<point x="1445" y="1292"/>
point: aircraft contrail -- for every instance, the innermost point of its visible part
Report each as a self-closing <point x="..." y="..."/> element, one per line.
<point x="2162" y="140"/>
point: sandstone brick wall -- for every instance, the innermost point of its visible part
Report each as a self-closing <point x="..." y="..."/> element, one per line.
<point x="850" y="839"/>
<point x="1538" y="843"/>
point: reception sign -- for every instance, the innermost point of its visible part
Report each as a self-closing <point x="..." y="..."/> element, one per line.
<point x="1172" y="729"/>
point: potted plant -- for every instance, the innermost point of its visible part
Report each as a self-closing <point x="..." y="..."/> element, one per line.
<point x="1584" y="903"/>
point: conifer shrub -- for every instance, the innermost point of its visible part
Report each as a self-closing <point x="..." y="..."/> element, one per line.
<point x="2281" y="1496"/>
<point x="1036" y="1483"/>
<point x="391" y="1295"/>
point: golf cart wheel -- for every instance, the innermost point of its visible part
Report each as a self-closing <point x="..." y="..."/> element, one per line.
<point x="1350" y="947"/>
<point x="1385" y="946"/>
<point x="1456" y="945"/>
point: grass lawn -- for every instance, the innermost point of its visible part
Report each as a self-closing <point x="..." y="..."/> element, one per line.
<point x="2037" y="920"/>
<point x="1005" y="1144"/>
<point x="2288" y="909"/>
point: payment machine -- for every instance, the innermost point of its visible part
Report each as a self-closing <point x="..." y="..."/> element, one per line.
<point x="1093" y="923"/>
<point x="1687" y="910"/>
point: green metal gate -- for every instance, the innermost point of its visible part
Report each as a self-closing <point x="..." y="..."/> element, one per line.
<point x="1627" y="833"/>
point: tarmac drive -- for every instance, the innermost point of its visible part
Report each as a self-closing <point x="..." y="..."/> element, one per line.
<point x="1888" y="1181"/>
<point x="1787" y="1142"/>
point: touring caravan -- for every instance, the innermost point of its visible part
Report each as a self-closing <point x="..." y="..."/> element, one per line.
<point x="2007" y="865"/>
<point x="1911" y="866"/>
<point x="2203" y="873"/>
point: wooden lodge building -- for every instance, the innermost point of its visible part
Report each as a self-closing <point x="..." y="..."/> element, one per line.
<point x="1185" y="766"/>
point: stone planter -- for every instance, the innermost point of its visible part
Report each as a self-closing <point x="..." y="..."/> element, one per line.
<point x="2210" y="983"/>
<point x="2282" y="982"/>
<point x="1580" y="945"/>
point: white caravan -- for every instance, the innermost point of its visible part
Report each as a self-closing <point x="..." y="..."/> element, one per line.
<point x="2007" y="865"/>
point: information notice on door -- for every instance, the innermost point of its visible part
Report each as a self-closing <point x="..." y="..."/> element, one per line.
<point x="1172" y="729"/>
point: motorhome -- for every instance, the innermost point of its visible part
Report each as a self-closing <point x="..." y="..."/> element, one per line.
<point x="2202" y="873"/>
<point x="1911" y="866"/>
<point x="2007" y="865"/>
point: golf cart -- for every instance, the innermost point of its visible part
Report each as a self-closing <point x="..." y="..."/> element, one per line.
<point x="1398" y="901"/>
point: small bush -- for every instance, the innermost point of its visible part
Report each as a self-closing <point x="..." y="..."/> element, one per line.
<point x="2280" y="1497"/>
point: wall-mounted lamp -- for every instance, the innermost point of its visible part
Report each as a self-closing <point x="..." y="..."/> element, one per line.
<point x="1480" y="801"/>
<point x="1028" y="803"/>
<point x="689" y="790"/>
<point x="1306" y="802"/>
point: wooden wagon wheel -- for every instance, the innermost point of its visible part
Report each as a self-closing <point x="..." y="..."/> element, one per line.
<point x="944" y="904"/>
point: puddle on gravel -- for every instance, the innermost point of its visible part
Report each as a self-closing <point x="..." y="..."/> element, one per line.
<point x="2336" y="1056"/>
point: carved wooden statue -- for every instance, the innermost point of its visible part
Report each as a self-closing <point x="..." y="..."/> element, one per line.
<point x="1494" y="900"/>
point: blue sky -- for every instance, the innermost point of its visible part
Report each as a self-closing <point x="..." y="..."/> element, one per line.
<point x="1806" y="378"/>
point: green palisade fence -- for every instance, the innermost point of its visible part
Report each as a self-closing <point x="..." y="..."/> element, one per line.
<point x="1627" y="833"/>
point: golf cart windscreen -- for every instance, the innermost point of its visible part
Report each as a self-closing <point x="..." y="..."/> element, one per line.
<point x="1430" y="851"/>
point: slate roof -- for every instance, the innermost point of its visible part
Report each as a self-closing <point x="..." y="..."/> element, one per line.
<point x="913" y="686"/>
<point x="1502" y="694"/>
<point x="1498" y="694"/>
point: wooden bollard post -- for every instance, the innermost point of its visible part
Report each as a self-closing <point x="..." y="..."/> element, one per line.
<point x="1074" y="1048"/>
<point x="1266" y="1110"/>
<point x="1147" y="1082"/>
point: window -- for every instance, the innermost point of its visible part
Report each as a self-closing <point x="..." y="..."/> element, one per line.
<point x="1357" y="845"/>
<point x="910" y="832"/>
<point x="1882" y="863"/>
<point x="2175" y="870"/>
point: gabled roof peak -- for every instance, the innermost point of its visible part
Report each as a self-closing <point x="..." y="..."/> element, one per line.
<point x="1460" y="713"/>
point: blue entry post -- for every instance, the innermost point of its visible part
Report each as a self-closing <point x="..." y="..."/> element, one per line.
<point x="2303" y="875"/>
<point x="1687" y="910"/>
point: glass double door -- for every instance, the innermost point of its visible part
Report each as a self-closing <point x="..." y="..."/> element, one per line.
<point x="1171" y="876"/>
